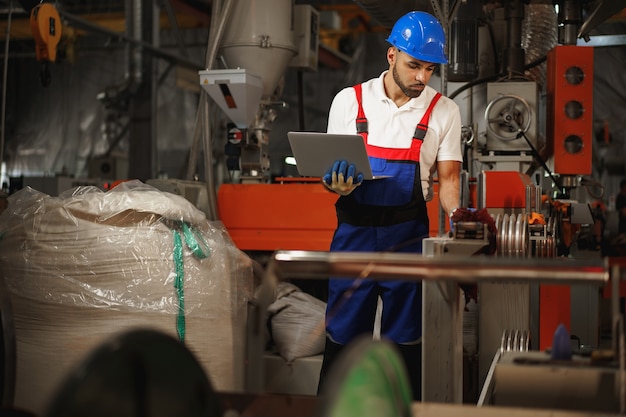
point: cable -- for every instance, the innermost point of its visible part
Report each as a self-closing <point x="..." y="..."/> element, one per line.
<point x="494" y="77"/>
<point x="475" y="82"/>
<point x="539" y="159"/>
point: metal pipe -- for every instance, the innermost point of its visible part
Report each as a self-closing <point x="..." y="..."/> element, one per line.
<point x="538" y="202"/>
<point x="203" y="126"/>
<point x="570" y="20"/>
<point x="216" y="38"/>
<point x="207" y="140"/>
<point x="394" y="266"/>
<point x="207" y="134"/>
<point x="85" y="24"/>
<point x="514" y="53"/>
<point x="171" y="16"/>
<point x="217" y="23"/>
<point x="4" y="82"/>
<point x="615" y="305"/>
<point x="134" y="30"/>
<point x="442" y="16"/>
<point x="454" y="9"/>
<point x="464" y="194"/>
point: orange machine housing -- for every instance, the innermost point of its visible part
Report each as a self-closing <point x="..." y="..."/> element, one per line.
<point x="292" y="214"/>
<point x="504" y="189"/>
<point x="570" y="137"/>
<point x="279" y="216"/>
<point x="570" y="108"/>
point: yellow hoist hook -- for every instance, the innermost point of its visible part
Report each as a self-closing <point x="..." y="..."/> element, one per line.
<point x="46" y="26"/>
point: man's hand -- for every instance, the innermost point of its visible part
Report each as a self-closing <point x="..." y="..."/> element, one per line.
<point x="460" y="214"/>
<point x="469" y="214"/>
<point x="341" y="178"/>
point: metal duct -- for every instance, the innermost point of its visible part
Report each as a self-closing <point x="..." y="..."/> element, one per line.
<point x="386" y="12"/>
<point x="539" y="35"/>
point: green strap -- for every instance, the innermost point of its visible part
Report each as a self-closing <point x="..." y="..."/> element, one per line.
<point x="199" y="247"/>
<point x="178" y="284"/>
<point x="195" y="242"/>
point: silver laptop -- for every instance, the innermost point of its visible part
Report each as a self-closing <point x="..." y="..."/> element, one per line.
<point x="316" y="152"/>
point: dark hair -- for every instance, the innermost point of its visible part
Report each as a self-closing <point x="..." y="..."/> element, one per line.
<point x="622" y="183"/>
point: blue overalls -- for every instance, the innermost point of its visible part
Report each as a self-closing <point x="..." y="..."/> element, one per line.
<point x="384" y="215"/>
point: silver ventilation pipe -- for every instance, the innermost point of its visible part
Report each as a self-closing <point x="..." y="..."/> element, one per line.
<point x="134" y="52"/>
<point x="539" y="35"/>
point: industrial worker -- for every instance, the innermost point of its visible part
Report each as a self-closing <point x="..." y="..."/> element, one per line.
<point x="410" y="131"/>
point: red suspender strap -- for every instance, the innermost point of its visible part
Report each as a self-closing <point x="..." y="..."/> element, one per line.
<point x="422" y="126"/>
<point x="361" y="120"/>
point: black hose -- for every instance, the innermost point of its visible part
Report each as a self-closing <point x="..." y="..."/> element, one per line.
<point x="494" y="77"/>
<point x="540" y="160"/>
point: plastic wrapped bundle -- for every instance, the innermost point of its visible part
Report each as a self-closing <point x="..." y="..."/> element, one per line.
<point x="297" y="323"/>
<point x="89" y="264"/>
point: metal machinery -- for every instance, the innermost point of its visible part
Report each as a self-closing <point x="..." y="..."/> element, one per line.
<point x="544" y="383"/>
<point x="532" y="159"/>
<point x="258" y="45"/>
<point x="525" y="161"/>
<point x="524" y="139"/>
<point x="523" y="119"/>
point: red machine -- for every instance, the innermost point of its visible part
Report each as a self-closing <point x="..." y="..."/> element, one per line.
<point x="296" y="214"/>
<point x="570" y="108"/>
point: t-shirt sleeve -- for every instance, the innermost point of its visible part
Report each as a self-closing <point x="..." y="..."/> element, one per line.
<point x="450" y="146"/>
<point x="342" y="114"/>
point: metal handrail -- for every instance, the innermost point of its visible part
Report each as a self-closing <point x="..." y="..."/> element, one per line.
<point x="474" y="269"/>
<point x="406" y="266"/>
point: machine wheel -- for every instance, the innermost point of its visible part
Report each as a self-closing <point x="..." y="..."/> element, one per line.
<point x="139" y="373"/>
<point x="507" y="116"/>
<point x="368" y="379"/>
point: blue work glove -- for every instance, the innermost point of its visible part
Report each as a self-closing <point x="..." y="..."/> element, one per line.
<point x="461" y="214"/>
<point x="342" y="178"/>
<point x="450" y="216"/>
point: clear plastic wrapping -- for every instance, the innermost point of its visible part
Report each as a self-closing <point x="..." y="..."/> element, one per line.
<point x="88" y="264"/>
<point x="116" y="250"/>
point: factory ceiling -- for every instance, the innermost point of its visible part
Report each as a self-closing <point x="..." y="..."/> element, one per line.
<point x="107" y="18"/>
<point x="83" y="18"/>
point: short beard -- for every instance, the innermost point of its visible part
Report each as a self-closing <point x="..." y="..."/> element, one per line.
<point x="407" y="91"/>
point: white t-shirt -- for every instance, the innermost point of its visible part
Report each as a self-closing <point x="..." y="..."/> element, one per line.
<point x="390" y="126"/>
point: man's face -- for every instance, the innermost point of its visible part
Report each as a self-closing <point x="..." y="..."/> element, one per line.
<point x="410" y="74"/>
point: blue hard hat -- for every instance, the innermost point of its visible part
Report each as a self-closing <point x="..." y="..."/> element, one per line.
<point x="420" y="35"/>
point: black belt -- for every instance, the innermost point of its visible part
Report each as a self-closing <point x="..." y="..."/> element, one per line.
<point x="369" y="215"/>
